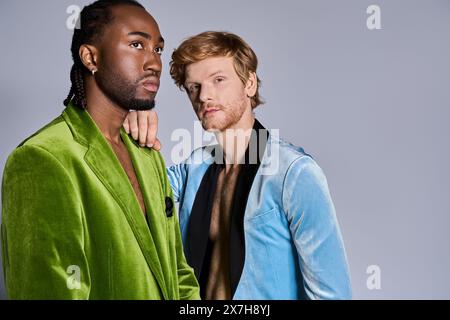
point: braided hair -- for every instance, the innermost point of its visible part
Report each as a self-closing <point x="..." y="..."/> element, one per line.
<point x="92" y="22"/>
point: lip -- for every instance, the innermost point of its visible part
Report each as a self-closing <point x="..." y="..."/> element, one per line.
<point x="151" y="85"/>
<point x="208" y="112"/>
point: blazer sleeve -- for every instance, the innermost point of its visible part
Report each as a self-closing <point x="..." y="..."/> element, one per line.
<point x="42" y="229"/>
<point x="315" y="231"/>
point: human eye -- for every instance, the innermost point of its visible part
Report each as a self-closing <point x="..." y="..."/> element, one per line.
<point x="159" y="50"/>
<point x="137" y="45"/>
<point x="219" y="79"/>
<point x="193" y="88"/>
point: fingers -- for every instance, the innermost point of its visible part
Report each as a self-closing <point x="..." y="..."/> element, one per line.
<point x="133" y="124"/>
<point x="143" y="127"/>
<point x="126" y="125"/>
<point x="152" y="128"/>
<point x="142" y="117"/>
<point x="157" y="146"/>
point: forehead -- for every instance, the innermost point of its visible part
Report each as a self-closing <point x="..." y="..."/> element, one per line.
<point x="129" y="18"/>
<point x="209" y="66"/>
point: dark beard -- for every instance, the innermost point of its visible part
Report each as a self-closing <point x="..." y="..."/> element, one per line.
<point x="122" y="92"/>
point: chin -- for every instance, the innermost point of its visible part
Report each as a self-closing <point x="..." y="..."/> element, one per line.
<point x="211" y="124"/>
<point x="142" y="104"/>
<point x="208" y="127"/>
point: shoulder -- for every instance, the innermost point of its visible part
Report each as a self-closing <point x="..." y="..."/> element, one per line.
<point x="54" y="138"/>
<point x="200" y="157"/>
<point x="296" y="167"/>
<point x="157" y="158"/>
<point x="288" y="151"/>
<point x="51" y="149"/>
<point x="300" y="170"/>
<point x="32" y="164"/>
<point x="286" y="157"/>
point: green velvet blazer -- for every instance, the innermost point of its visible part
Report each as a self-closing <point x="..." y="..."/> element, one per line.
<point x="72" y="227"/>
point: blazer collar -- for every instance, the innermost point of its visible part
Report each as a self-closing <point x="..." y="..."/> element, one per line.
<point x="101" y="158"/>
<point x="198" y="246"/>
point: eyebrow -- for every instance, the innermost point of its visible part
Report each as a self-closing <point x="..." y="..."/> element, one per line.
<point x="213" y="74"/>
<point x="144" y="35"/>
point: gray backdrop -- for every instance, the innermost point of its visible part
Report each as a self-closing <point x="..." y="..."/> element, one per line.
<point x="372" y="106"/>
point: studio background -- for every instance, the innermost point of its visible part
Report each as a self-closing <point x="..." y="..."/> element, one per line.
<point x="371" y="106"/>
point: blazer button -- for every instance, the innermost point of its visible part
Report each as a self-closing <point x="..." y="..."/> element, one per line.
<point x="169" y="207"/>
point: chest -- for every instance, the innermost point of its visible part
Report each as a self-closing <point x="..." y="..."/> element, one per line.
<point x="223" y="203"/>
<point x="127" y="164"/>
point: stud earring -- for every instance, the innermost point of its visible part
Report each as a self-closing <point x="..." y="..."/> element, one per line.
<point x="93" y="71"/>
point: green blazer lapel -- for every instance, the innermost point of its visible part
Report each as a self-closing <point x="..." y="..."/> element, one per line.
<point x="153" y="192"/>
<point x="101" y="158"/>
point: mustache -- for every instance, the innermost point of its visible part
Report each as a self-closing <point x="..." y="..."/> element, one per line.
<point x="152" y="74"/>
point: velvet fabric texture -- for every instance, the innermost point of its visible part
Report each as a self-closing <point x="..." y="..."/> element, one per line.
<point x="293" y="248"/>
<point x="72" y="225"/>
<point x="199" y="247"/>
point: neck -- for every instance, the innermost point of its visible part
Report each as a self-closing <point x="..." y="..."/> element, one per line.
<point x="108" y="116"/>
<point x="235" y="139"/>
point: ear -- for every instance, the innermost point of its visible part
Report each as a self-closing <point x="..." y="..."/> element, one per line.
<point x="89" y="56"/>
<point x="252" y="85"/>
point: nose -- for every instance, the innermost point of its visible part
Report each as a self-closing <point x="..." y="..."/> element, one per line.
<point x="153" y="63"/>
<point x="205" y="93"/>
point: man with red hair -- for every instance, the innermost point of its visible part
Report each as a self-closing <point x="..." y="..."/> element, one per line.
<point x="248" y="232"/>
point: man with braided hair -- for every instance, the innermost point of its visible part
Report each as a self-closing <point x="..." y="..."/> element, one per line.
<point x="88" y="213"/>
